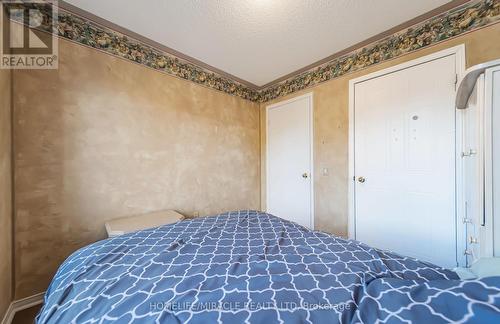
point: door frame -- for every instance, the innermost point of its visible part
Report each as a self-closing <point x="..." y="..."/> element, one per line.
<point x="491" y="247"/>
<point x="459" y="52"/>
<point x="309" y="96"/>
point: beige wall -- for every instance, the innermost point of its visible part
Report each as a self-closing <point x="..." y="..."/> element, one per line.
<point x="101" y="138"/>
<point x="5" y="192"/>
<point x="331" y="101"/>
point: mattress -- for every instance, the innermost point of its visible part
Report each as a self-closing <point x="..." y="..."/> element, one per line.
<point x="248" y="266"/>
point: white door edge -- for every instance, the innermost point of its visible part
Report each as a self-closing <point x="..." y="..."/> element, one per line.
<point x="490" y="246"/>
<point x="308" y="95"/>
<point x="459" y="53"/>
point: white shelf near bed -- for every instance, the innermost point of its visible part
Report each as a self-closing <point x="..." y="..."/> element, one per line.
<point x="125" y="225"/>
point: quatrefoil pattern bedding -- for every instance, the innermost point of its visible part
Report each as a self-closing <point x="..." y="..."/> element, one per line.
<point x="248" y="266"/>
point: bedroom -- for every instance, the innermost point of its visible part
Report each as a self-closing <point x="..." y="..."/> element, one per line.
<point x="249" y="161"/>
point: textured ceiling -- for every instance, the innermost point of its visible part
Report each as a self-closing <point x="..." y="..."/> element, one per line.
<point x="258" y="40"/>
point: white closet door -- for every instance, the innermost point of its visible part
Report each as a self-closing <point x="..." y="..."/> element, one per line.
<point x="289" y="160"/>
<point x="404" y="153"/>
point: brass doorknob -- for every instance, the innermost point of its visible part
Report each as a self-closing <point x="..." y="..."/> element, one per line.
<point x="361" y="180"/>
<point x="305" y="175"/>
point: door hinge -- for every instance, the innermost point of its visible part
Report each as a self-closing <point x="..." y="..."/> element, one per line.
<point x="456" y="81"/>
<point x="470" y="153"/>
<point x="466" y="220"/>
<point x="473" y="240"/>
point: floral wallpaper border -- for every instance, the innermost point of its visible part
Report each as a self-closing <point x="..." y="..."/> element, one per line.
<point x="473" y="15"/>
<point x="434" y="30"/>
<point x="80" y="30"/>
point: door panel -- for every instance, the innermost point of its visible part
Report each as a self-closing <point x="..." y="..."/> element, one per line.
<point x="405" y="149"/>
<point x="289" y="161"/>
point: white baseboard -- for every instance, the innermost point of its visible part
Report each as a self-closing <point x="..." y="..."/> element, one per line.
<point x="19" y="305"/>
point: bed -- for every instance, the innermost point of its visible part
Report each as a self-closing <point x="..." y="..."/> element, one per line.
<point x="249" y="266"/>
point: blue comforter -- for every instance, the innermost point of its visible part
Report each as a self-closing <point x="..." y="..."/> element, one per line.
<point x="254" y="267"/>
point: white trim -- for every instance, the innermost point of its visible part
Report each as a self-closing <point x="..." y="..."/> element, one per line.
<point x="9" y="315"/>
<point x="308" y="95"/>
<point x="351" y="194"/>
<point x="459" y="52"/>
<point x="460" y="213"/>
<point x="22" y="304"/>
